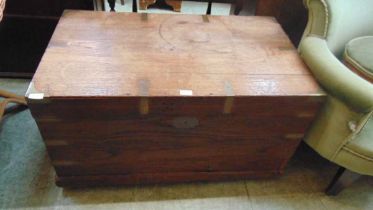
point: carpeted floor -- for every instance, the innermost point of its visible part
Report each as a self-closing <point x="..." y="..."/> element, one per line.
<point x="27" y="181"/>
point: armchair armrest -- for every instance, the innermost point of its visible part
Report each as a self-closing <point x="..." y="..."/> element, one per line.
<point x="335" y="77"/>
<point x="2" y="7"/>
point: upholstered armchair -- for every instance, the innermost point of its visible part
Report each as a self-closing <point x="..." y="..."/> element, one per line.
<point x="8" y="97"/>
<point x="343" y="131"/>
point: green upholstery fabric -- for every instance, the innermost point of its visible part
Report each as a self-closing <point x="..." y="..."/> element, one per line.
<point x="339" y="21"/>
<point x="354" y="162"/>
<point x="317" y="18"/>
<point x="334" y="76"/>
<point x="359" y="54"/>
<point x="343" y="129"/>
<point x="363" y="144"/>
<point x="330" y="130"/>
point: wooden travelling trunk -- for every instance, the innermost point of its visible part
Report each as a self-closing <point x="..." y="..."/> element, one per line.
<point x="148" y="98"/>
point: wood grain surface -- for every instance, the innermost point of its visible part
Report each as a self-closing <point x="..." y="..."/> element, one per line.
<point x="107" y="54"/>
<point x="138" y="99"/>
<point x="95" y="138"/>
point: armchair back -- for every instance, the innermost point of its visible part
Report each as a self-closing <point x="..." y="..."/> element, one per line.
<point x="339" y="21"/>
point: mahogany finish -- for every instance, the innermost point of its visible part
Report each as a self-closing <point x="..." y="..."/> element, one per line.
<point x="291" y="14"/>
<point x="148" y="98"/>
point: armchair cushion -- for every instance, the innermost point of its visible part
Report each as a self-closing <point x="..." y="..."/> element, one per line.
<point x="359" y="56"/>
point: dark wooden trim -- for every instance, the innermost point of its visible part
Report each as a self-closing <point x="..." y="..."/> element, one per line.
<point x="26" y="75"/>
<point x="291" y="14"/>
<point x="341" y="180"/>
<point x="32" y="17"/>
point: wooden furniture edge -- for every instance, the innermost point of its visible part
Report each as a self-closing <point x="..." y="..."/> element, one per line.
<point x="157" y="178"/>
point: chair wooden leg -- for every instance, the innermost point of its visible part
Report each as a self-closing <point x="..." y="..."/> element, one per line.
<point x="341" y="180"/>
<point x="208" y="12"/>
<point x="112" y="5"/>
<point x="134" y="6"/>
<point x="239" y="6"/>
